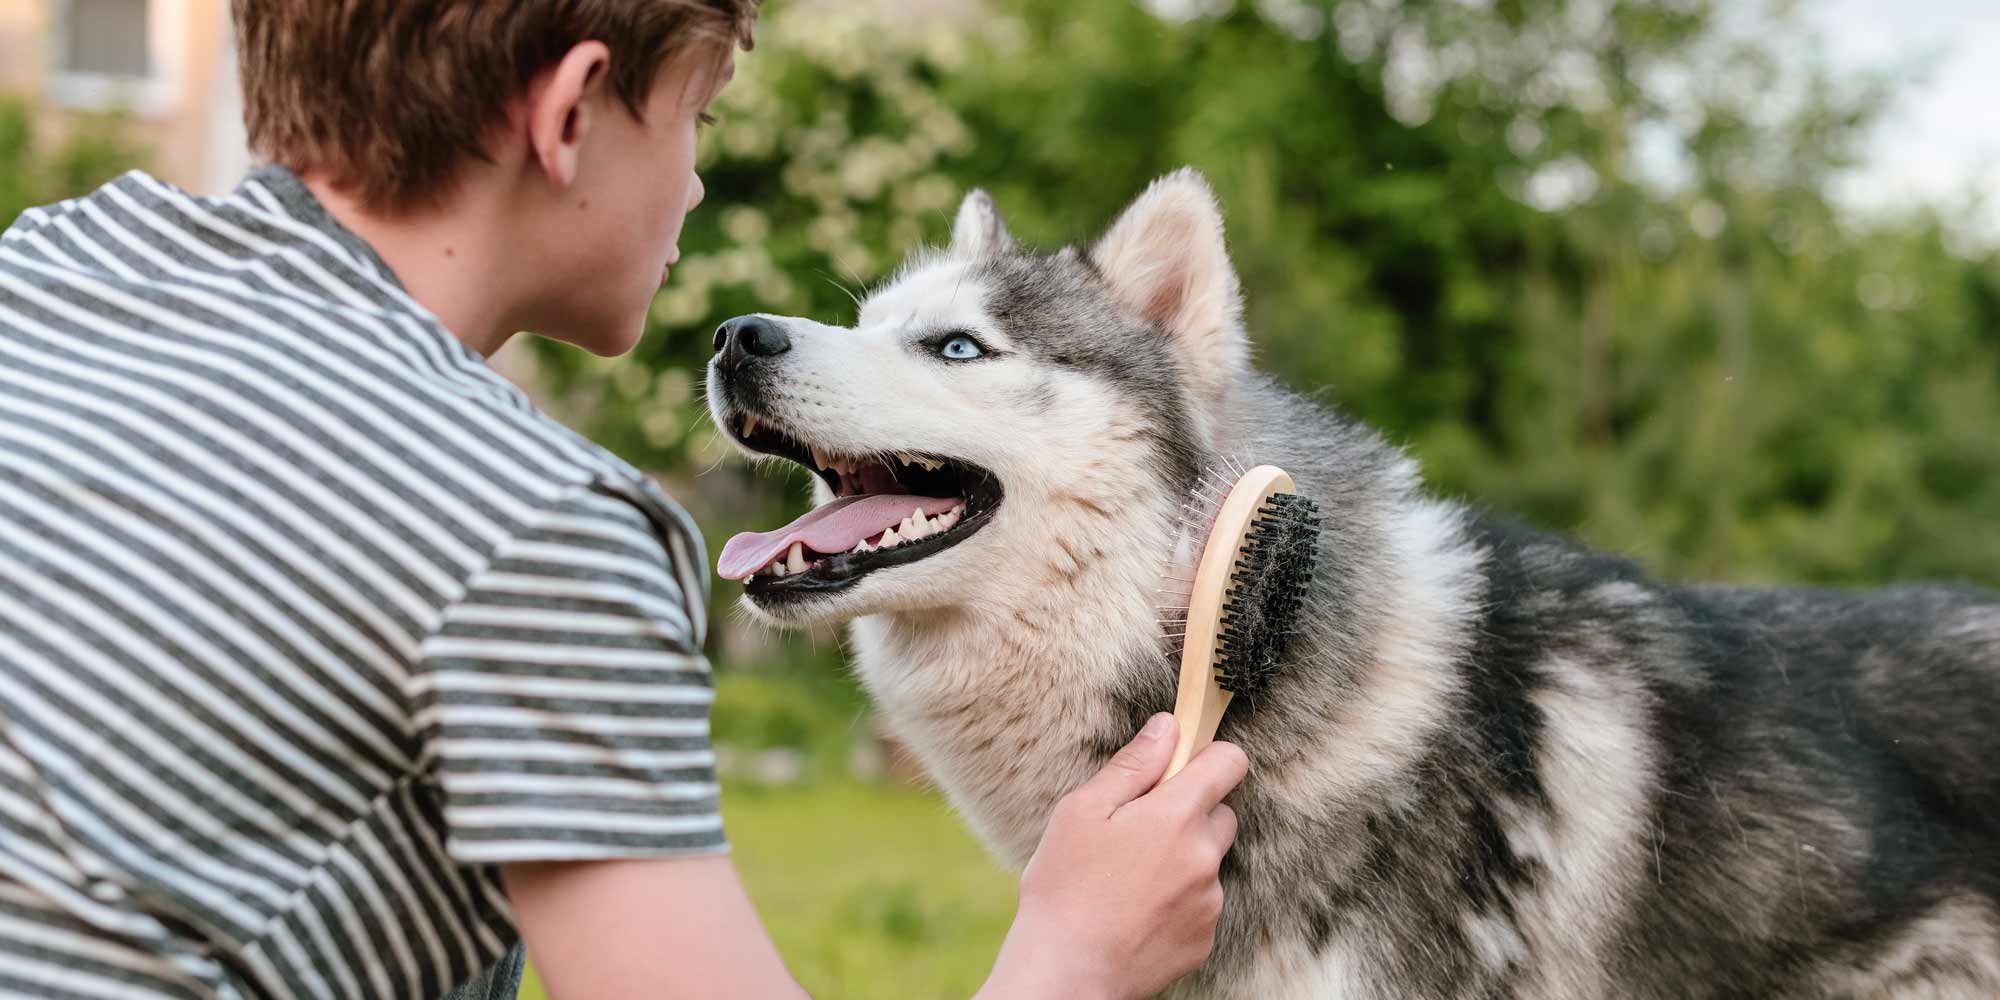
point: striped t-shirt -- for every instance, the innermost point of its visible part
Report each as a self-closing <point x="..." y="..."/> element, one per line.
<point x="308" y="619"/>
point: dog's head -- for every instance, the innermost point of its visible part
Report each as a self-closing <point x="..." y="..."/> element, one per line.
<point x="997" y="418"/>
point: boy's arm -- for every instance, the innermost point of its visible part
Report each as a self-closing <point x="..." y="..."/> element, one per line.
<point x="1120" y="900"/>
<point x="656" y="928"/>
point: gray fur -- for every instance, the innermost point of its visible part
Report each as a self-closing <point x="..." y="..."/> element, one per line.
<point x="1496" y="764"/>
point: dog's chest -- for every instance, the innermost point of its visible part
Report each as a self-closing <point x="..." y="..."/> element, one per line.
<point x="1003" y="735"/>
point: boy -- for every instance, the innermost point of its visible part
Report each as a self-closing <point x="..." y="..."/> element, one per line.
<point x="331" y="668"/>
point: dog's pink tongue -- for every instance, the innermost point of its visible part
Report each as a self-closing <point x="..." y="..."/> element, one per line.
<point x="835" y="528"/>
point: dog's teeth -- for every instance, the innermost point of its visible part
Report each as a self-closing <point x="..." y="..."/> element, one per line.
<point x="777" y="568"/>
<point x="933" y="465"/>
<point x="889" y="539"/>
<point x="947" y="519"/>
<point x="796" y="559"/>
<point x="863" y="547"/>
<point x="904" y="457"/>
<point x="749" y="425"/>
<point x="819" y="458"/>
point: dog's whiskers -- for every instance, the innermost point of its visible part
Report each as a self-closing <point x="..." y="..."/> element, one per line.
<point x="835" y="282"/>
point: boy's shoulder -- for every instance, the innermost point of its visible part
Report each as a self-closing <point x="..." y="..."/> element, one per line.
<point x="260" y="301"/>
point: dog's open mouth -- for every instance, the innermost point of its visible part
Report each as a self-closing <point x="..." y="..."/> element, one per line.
<point x="891" y="508"/>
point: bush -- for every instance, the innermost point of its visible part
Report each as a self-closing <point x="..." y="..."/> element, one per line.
<point x="94" y="151"/>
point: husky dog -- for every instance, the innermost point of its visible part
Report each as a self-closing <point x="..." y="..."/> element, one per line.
<point x="1495" y="764"/>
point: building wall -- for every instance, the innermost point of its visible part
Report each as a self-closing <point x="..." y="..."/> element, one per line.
<point x="190" y="122"/>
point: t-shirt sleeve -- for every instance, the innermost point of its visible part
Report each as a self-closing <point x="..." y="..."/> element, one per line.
<point x="563" y="702"/>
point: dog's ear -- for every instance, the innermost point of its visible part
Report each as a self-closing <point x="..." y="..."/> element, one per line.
<point x="1166" y="260"/>
<point x="979" y="231"/>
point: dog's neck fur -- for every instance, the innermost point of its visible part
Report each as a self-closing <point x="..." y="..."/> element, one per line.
<point x="1013" y="701"/>
<point x="1005" y="702"/>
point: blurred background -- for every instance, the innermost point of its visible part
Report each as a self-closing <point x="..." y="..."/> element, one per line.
<point x="1714" y="286"/>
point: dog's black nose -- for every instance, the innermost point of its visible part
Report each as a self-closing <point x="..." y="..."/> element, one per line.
<point x="751" y="336"/>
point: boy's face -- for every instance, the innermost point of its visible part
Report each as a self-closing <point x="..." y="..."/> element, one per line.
<point x="634" y="188"/>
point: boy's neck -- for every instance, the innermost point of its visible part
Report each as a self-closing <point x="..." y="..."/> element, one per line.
<point x="454" y="259"/>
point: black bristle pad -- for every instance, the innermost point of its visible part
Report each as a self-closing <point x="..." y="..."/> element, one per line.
<point x="1280" y="552"/>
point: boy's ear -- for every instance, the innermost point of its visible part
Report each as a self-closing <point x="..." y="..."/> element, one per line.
<point x="560" y="110"/>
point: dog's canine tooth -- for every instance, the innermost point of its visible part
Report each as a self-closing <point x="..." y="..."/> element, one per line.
<point x="819" y="458"/>
<point x="749" y="425"/>
<point x="796" y="559"/>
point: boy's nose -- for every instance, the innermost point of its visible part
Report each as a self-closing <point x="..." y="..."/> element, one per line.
<point x="747" y="337"/>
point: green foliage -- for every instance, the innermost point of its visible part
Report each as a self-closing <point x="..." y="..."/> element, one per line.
<point x="1448" y="217"/>
<point x="802" y="707"/>
<point x="870" y="889"/>
<point x="93" y="152"/>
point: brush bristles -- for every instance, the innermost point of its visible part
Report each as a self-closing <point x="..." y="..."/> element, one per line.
<point x="1280" y="553"/>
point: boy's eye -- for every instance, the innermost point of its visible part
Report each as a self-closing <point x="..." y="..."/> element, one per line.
<point x="960" y="348"/>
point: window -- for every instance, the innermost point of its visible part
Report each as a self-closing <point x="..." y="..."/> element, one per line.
<point x="107" y="54"/>
<point x="107" y="38"/>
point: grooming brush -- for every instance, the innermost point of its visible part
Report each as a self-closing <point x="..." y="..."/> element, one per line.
<point x="1248" y="586"/>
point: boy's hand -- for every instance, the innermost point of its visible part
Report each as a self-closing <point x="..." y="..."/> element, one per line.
<point x="1122" y="897"/>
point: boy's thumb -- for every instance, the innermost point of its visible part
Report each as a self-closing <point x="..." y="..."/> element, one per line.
<point x="1135" y="768"/>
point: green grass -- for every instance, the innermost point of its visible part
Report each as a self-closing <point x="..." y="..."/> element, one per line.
<point x="870" y="890"/>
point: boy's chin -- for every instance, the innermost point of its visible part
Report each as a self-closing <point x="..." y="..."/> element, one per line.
<point x="605" y="337"/>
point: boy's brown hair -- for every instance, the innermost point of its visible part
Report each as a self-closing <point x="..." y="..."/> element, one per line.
<point x="390" y="97"/>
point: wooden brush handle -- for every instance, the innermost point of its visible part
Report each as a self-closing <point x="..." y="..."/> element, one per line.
<point x="1199" y="706"/>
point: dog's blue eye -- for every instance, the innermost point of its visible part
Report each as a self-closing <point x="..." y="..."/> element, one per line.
<point x="960" y="349"/>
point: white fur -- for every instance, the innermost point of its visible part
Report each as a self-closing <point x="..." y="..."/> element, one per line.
<point x="1596" y="766"/>
<point x="1929" y="960"/>
<point x="1291" y="971"/>
<point x="978" y="231"/>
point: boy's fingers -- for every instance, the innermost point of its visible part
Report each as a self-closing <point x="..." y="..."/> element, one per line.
<point x="1133" y="770"/>
<point x="1222" y="822"/>
<point x="1210" y="776"/>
